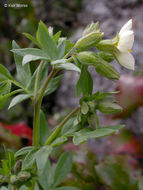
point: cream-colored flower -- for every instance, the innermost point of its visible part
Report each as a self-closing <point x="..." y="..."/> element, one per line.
<point x="125" y="43"/>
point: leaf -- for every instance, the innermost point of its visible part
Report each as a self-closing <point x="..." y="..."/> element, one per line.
<point x="63" y="167"/>
<point x="4" y="93"/>
<point x="42" y="157"/>
<point x="59" y="141"/>
<point x="24" y="151"/>
<point x="85" y="83"/>
<point x="116" y="176"/>
<point x="61" y="48"/>
<point x="44" y="129"/>
<point x="30" y="159"/>
<point x="83" y="135"/>
<point x="53" y="84"/>
<point x="67" y="188"/>
<point x="22" y="71"/>
<point x="69" y="127"/>
<point x="4" y="74"/>
<point x="68" y="66"/>
<point x="46" y="178"/>
<point x="69" y="46"/>
<point x="46" y="42"/>
<point x="57" y="36"/>
<point x="18" y="99"/>
<point x="43" y="76"/>
<point x="31" y="54"/>
<point x="30" y="37"/>
<point x="84" y="108"/>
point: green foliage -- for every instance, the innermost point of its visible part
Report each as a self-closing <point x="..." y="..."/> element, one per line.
<point x="31" y="167"/>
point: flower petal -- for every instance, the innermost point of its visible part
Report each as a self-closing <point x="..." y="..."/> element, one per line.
<point x="126" y="41"/>
<point x="126" y="27"/>
<point x="126" y="60"/>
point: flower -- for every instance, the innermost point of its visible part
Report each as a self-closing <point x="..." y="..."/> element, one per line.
<point x="124" y="45"/>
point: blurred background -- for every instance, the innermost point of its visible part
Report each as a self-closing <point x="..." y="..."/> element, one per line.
<point x="114" y="162"/>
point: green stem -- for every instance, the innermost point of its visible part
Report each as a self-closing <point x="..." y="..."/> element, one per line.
<point x="13" y="188"/>
<point x="37" y="79"/>
<point x="69" y="53"/>
<point x="19" y="85"/>
<point x="37" y="105"/>
<point x="59" y="127"/>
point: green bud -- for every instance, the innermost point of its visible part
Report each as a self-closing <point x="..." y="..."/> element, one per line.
<point x="84" y="108"/>
<point x="23" y="176"/>
<point x="107" y="46"/>
<point x="14" y="179"/>
<point x="17" y="166"/>
<point x="106" y="56"/>
<point x="87" y="58"/>
<point x="93" y="27"/>
<point x="109" y="108"/>
<point x="89" y="40"/>
<point x="101" y="66"/>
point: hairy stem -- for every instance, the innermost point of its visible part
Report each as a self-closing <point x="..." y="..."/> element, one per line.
<point x="37" y="105"/>
<point x="59" y="127"/>
<point x="69" y="53"/>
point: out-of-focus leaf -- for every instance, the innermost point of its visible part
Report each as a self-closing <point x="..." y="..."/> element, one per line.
<point x="67" y="188"/>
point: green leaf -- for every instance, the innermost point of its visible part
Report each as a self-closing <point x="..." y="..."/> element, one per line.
<point x="42" y="157"/>
<point x="30" y="37"/>
<point x="3" y="188"/>
<point x="29" y="159"/>
<point x="116" y="176"/>
<point x="46" y="42"/>
<point x="61" y="48"/>
<point x="53" y="85"/>
<point x="67" y="188"/>
<point x="83" y="135"/>
<point x="18" y="99"/>
<point x="24" y="151"/>
<point x="69" y="46"/>
<point x="59" y="141"/>
<point x="85" y="83"/>
<point x="22" y="71"/>
<point x="68" y="66"/>
<point x="5" y="88"/>
<point x="46" y="178"/>
<point x="57" y="36"/>
<point x="43" y="76"/>
<point x="5" y="74"/>
<point x="63" y="167"/>
<point x="69" y="127"/>
<point x="31" y="54"/>
<point x="44" y="129"/>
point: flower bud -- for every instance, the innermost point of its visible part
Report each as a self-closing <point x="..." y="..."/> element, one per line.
<point x="89" y="40"/>
<point x="106" y="70"/>
<point x="93" y="27"/>
<point x="23" y="176"/>
<point x="87" y="58"/>
<point x="101" y="66"/>
<point x="14" y="179"/>
<point x="107" y="46"/>
<point x="109" y="108"/>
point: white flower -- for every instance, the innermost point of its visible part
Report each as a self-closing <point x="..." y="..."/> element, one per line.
<point x="126" y="40"/>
